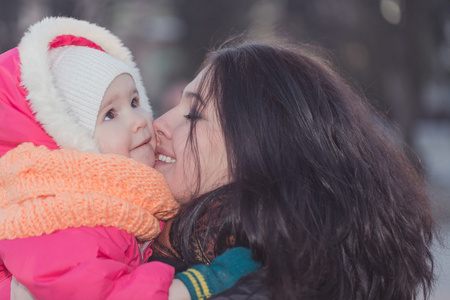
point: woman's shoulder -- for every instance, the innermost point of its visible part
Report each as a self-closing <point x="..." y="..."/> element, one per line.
<point x="247" y="288"/>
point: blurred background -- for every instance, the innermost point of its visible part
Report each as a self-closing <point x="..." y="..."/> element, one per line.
<point x="396" y="51"/>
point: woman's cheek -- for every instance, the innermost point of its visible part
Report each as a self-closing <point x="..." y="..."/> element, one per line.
<point x="182" y="185"/>
<point x="216" y="173"/>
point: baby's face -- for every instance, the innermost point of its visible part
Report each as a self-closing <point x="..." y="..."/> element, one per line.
<point x="123" y="127"/>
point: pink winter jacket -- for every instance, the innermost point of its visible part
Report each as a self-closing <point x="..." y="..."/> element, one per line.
<point x="70" y="259"/>
<point x="50" y="204"/>
<point x="83" y="263"/>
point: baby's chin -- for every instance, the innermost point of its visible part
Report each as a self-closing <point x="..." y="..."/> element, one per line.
<point x="144" y="154"/>
<point x="149" y="161"/>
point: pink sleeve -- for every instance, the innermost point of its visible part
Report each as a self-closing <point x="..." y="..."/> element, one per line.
<point x="5" y="288"/>
<point x="85" y="263"/>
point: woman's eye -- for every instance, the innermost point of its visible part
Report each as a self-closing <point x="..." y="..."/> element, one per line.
<point x="135" y="102"/>
<point x="109" y="115"/>
<point x="193" y="115"/>
<point x="190" y="117"/>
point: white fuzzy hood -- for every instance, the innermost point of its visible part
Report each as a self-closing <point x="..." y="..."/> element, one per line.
<point x="44" y="98"/>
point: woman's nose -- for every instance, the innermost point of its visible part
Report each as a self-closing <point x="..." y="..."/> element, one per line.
<point x="161" y="128"/>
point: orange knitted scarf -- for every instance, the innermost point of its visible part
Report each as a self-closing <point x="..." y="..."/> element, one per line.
<point x="42" y="191"/>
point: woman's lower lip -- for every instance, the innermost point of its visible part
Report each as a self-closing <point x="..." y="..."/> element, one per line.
<point x="159" y="163"/>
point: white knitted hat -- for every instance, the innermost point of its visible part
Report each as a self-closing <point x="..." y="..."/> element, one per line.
<point x="82" y="75"/>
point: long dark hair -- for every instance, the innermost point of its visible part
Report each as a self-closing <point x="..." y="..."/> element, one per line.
<point x="326" y="200"/>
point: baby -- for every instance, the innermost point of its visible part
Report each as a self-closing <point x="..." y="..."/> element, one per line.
<point x="72" y="217"/>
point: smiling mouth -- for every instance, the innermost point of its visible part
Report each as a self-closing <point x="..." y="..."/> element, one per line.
<point x="166" y="159"/>
<point x="145" y="142"/>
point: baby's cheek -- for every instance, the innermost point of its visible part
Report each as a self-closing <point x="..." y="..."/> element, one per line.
<point x="112" y="147"/>
<point x="102" y="146"/>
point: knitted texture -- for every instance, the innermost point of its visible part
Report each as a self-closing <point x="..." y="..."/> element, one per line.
<point x="203" y="281"/>
<point x="42" y="191"/>
<point x="82" y="75"/>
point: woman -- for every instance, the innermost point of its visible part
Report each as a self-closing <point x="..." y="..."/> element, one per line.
<point x="270" y="149"/>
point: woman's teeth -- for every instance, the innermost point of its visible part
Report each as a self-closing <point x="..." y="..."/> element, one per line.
<point x="166" y="159"/>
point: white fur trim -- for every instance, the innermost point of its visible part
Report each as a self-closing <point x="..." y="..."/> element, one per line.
<point x="44" y="98"/>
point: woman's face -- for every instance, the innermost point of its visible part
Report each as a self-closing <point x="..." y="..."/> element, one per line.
<point x="176" y="159"/>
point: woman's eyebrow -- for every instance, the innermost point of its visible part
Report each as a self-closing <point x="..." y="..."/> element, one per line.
<point x="197" y="96"/>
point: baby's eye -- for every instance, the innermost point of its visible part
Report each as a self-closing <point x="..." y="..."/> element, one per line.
<point x="110" y="115"/>
<point x="135" y="102"/>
